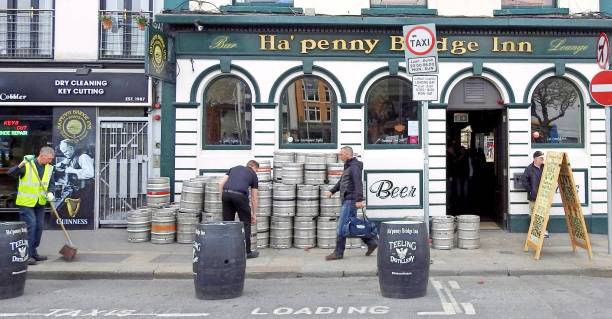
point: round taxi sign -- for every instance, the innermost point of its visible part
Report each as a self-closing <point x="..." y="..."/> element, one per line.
<point x="420" y="40"/>
<point x="601" y="88"/>
<point x="603" y="51"/>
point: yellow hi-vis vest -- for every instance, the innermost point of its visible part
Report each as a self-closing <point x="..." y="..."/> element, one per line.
<point x="31" y="190"/>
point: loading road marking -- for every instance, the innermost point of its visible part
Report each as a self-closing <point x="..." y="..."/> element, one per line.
<point x="450" y="306"/>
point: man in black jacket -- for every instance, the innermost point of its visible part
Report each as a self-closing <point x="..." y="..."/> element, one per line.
<point x="531" y="180"/>
<point x="351" y="194"/>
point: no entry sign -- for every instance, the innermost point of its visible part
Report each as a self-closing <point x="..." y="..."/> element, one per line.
<point x="601" y="88"/>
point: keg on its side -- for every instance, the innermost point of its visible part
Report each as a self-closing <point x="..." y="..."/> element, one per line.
<point x="14" y="254"/>
<point x="326" y="231"/>
<point x="158" y="191"/>
<point x="403" y="259"/>
<point x="219" y="260"/>
<point x="468" y="231"/>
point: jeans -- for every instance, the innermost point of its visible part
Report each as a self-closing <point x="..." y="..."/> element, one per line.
<point x="34" y="217"/>
<point x="347" y="211"/>
<point x="233" y="203"/>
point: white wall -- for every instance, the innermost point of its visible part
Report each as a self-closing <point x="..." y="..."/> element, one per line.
<point x="76" y="30"/>
<point x="474" y="8"/>
<point x="577" y="6"/>
<point x="336" y="7"/>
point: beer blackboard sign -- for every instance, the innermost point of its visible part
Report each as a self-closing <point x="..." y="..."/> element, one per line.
<point x="557" y="172"/>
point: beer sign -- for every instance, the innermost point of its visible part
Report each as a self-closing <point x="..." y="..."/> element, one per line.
<point x="386" y="189"/>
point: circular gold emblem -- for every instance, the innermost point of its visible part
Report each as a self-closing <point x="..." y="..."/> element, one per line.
<point x="157" y="53"/>
<point x="74" y="124"/>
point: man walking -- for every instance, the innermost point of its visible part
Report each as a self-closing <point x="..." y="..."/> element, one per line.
<point x="234" y="190"/>
<point x="35" y="188"/>
<point x="351" y="194"/>
<point x="531" y="180"/>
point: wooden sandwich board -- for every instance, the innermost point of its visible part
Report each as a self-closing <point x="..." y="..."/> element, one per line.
<point x="557" y="172"/>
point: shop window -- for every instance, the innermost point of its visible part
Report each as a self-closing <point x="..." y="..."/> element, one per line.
<point x="392" y="116"/>
<point x="20" y="135"/>
<point x="306" y="111"/>
<point x="227" y="112"/>
<point x="528" y="3"/>
<point x="378" y="3"/>
<point x="26" y="28"/>
<point x="556" y="113"/>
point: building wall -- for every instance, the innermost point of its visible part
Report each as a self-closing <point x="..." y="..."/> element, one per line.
<point x="76" y="35"/>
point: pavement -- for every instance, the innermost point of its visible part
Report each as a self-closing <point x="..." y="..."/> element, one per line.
<point x="107" y="254"/>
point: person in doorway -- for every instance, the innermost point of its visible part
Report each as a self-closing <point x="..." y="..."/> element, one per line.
<point x="235" y="198"/>
<point x="531" y="180"/>
<point x="351" y="194"/>
<point x="35" y="189"/>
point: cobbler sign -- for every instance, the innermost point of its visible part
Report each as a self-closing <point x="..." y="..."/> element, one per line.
<point x="394" y="189"/>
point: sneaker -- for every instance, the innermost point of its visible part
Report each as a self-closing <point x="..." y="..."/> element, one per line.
<point x="40" y="258"/>
<point x="32" y="261"/>
<point x="332" y="256"/>
<point x="546" y="234"/>
<point x="371" y="249"/>
<point x="253" y="254"/>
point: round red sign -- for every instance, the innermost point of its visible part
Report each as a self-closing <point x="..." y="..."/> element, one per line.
<point x="420" y="40"/>
<point x="601" y="88"/>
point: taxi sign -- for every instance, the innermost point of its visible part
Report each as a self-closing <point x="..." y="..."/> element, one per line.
<point x="421" y="51"/>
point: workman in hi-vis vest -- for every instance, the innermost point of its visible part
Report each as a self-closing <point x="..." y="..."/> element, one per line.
<point x="36" y="187"/>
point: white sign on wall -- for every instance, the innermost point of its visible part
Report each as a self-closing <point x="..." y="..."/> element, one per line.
<point x="394" y="189"/>
<point x="425" y="87"/>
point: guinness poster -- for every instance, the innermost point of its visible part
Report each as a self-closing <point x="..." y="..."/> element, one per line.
<point x="74" y="138"/>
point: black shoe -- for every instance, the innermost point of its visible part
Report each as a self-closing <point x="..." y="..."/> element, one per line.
<point x="333" y="256"/>
<point x="32" y="261"/>
<point x="253" y="254"/>
<point x="40" y="258"/>
<point x="371" y="249"/>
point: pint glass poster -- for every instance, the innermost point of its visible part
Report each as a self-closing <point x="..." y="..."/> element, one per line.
<point x="74" y="138"/>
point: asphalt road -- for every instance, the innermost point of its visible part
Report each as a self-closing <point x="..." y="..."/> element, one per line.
<point x="458" y="297"/>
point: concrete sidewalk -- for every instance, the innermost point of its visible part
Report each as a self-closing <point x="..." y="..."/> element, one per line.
<point x="106" y="254"/>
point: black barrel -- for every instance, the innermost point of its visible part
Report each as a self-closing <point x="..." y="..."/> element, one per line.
<point x="219" y="260"/>
<point x="403" y="259"/>
<point x="13" y="258"/>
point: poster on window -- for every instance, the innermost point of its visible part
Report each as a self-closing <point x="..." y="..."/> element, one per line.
<point x="74" y="138"/>
<point x="489" y="148"/>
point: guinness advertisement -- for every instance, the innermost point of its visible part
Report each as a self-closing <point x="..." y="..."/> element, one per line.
<point x="74" y="140"/>
<point x="93" y="88"/>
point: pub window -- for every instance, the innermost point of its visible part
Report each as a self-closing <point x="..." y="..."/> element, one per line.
<point x="528" y="3"/>
<point x="227" y="112"/>
<point x="379" y="3"/>
<point x="556" y="113"/>
<point x="392" y="115"/>
<point x="307" y="106"/>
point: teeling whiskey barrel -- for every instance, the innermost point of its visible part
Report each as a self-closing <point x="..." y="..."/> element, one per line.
<point x="13" y="258"/>
<point x="403" y="259"/>
<point x="219" y="260"/>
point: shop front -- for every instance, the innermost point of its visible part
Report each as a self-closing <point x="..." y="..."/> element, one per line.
<point x="314" y="84"/>
<point x="69" y="110"/>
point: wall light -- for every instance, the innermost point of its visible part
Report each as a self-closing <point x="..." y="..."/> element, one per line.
<point x="198" y="24"/>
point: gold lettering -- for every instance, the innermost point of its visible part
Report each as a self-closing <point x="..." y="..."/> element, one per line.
<point x="222" y="42"/>
<point x="284" y="45"/>
<point x="336" y="46"/>
<point x="442" y="44"/>
<point x="371" y="43"/>
<point x="266" y="42"/>
<point x="495" y="44"/>
<point x="307" y="45"/>
<point x="458" y="48"/>
<point x="473" y="46"/>
<point x="525" y="47"/>
<point x="356" y="45"/>
<point x="560" y="45"/>
<point x="323" y="45"/>
<point x="508" y="46"/>
<point x="397" y="43"/>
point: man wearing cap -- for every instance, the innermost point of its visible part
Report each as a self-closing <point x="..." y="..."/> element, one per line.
<point x="531" y="180"/>
<point x="234" y="190"/>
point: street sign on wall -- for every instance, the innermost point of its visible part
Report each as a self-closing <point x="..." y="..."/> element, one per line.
<point x="601" y="88"/>
<point x="421" y="52"/>
<point x="603" y="51"/>
<point x="393" y="189"/>
<point x="425" y="87"/>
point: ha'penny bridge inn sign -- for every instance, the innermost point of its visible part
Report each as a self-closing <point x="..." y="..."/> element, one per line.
<point x="381" y="45"/>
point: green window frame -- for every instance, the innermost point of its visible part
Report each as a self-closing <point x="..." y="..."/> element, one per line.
<point x="367" y="117"/>
<point x="333" y="106"/>
<point x="520" y="8"/>
<point x="248" y="109"/>
<point x="553" y="4"/>
<point x="543" y="133"/>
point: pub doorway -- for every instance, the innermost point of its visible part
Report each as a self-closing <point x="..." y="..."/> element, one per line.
<point x="476" y="153"/>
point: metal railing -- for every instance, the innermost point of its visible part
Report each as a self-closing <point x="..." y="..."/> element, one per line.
<point x="123" y="38"/>
<point x="26" y="33"/>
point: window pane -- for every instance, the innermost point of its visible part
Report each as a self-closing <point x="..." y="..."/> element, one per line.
<point x="392" y="114"/>
<point x="307" y="107"/>
<point x="286" y="2"/>
<point x="527" y="3"/>
<point x="555" y="113"/>
<point x="228" y="112"/>
<point x="398" y="2"/>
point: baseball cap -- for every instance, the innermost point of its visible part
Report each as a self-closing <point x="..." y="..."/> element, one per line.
<point x="538" y="154"/>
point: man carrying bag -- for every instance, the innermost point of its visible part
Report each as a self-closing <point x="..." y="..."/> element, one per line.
<point x="351" y="194"/>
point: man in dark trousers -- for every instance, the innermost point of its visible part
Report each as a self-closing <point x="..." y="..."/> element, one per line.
<point x="35" y="189"/>
<point x="531" y="180"/>
<point x="235" y="198"/>
<point x="351" y="194"/>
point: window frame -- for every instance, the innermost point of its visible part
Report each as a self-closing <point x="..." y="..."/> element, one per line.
<point x="13" y="5"/>
<point x="205" y="145"/>
<point x="399" y="5"/>
<point x="333" y="122"/>
<point x="270" y="3"/>
<point x="368" y="145"/>
<point x="582" y="126"/>
<point x="531" y="10"/>
<point x="128" y="37"/>
<point x="555" y="4"/>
